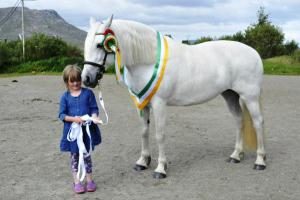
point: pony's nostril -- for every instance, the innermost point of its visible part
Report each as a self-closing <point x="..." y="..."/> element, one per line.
<point x="87" y="80"/>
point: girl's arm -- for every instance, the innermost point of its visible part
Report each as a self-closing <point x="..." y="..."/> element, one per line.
<point x="73" y="119"/>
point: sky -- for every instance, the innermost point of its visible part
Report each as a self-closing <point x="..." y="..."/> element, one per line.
<point x="183" y="19"/>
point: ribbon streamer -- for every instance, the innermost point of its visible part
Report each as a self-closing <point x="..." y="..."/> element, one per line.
<point x="75" y="133"/>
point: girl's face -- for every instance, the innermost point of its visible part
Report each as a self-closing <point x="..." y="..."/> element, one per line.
<point x="74" y="85"/>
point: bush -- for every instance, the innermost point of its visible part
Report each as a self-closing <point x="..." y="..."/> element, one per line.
<point x="3" y="54"/>
<point x="239" y="37"/>
<point x="267" y="39"/>
<point x="55" y="64"/>
<point x="203" y="39"/>
<point x="296" y="56"/>
<point x="43" y="53"/>
<point x="41" y="46"/>
<point x="290" y="47"/>
<point x="110" y="69"/>
<point x="10" y="54"/>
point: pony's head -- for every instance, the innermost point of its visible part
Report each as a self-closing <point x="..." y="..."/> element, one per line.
<point x="135" y="41"/>
<point x="98" y="45"/>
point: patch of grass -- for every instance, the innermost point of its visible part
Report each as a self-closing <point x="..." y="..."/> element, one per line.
<point x="281" y="65"/>
<point x="7" y="75"/>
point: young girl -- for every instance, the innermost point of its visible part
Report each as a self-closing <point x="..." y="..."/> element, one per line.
<point x="74" y="103"/>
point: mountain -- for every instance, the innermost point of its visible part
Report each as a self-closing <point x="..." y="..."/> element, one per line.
<point x="48" y="22"/>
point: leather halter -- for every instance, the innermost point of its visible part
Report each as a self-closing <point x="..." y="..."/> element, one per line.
<point x="100" y="46"/>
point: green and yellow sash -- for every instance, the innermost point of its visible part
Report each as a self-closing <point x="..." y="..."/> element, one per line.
<point x="143" y="97"/>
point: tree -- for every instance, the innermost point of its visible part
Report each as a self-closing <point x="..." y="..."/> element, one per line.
<point x="239" y="36"/>
<point x="203" y="39"/>
<point x="262" y="17"/>
<point x="290" y="47"/>
<point x="266" y="38"/>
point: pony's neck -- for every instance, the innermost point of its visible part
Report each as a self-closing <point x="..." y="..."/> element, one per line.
<point x="137" y="42"/>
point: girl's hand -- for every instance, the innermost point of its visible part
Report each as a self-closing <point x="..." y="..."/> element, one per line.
<point x="96" y="120"/>
<point x="78" y="120"/>
<point x="74" y="119"/>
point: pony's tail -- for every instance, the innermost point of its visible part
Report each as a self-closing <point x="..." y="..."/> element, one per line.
<point x="248" y="130"/>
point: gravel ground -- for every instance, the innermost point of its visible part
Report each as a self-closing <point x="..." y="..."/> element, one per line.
<point x="198" y="141"/>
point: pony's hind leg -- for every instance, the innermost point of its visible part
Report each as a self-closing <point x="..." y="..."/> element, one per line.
<point x="144" y="161"/>
<point x="254" y="108"/>
<point x="232" y="100"/>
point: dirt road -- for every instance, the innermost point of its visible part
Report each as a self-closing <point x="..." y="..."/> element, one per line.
<point x="199" y="139"/>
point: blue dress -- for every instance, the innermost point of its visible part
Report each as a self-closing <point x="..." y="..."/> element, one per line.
<point x="81" y="105"/>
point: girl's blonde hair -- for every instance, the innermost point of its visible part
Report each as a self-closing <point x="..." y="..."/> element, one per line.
<point x="72" y="73"/>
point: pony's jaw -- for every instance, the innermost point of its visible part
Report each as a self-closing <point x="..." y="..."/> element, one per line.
<point x="90" y="79"/>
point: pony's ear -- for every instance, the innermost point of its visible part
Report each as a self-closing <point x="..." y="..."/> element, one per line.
<point x="109" y="21"/>
<point x="92" y="21"/>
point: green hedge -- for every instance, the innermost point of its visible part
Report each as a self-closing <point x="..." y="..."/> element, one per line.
<point x="55" y="64"/>
<point x="42" y="53"/>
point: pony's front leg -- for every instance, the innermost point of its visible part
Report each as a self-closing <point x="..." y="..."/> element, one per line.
<point x="159" y="111"/>
<point x="144" y="161"/>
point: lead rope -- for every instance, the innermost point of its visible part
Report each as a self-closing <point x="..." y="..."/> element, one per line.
<point x="101" y="101"/>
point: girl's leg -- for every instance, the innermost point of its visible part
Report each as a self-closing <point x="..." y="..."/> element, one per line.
<point x="74" y="166"/>
<point x="77" y="187"/>
<point x="90" y="186"/>
<point x="88" y="168"/>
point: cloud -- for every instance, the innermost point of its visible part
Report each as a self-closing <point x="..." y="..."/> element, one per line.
<point x="197" y="30"/>
<point x="178" y="3"/>
<point x="181" y="18"/>
<point x="292" y="30"/>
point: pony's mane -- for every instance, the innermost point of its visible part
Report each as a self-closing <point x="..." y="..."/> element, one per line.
<point x="137" y="42"/>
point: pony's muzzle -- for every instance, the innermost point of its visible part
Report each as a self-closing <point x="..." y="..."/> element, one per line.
<point x="86" y="81"/>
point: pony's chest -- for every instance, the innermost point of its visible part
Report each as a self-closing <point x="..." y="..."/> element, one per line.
<point x="139" y="78"/>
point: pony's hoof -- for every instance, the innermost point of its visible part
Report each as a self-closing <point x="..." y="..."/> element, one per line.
<point x="139" y="168"/>
<point x="233" y="160"/>
<point x="259" y="167"/>
<point x="158" y="175"/>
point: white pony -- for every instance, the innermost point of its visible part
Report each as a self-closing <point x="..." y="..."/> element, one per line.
<point x="159" y="72"/>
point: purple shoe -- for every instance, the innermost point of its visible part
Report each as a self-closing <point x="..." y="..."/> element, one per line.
<point x="78" y="188"/>
<point x="91" y="186"/>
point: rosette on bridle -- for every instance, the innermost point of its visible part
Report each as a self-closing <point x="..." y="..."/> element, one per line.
<point x="110" y="43"/>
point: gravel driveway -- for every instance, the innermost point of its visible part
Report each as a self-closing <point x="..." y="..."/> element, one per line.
<point x="199" y="139"/>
